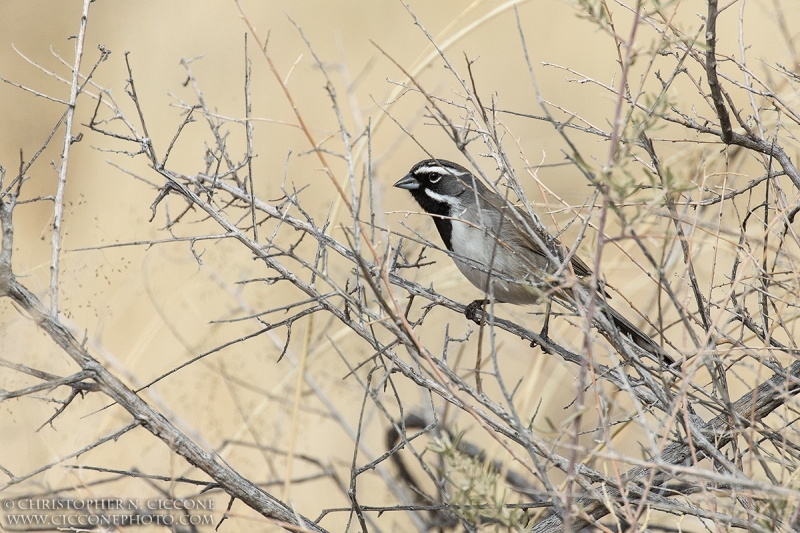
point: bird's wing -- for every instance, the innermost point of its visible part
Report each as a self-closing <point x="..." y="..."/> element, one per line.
<point x="521" y="237"/>
<point x="516" y="234"/>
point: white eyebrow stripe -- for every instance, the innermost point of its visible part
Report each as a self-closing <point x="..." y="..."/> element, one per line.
<point x="452" y="201"/>
<point x="443" y="171"/>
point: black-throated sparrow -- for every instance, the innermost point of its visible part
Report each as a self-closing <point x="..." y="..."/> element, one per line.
<point x="502" y="253"/>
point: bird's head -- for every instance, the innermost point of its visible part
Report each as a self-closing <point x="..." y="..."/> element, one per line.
<point x="437" y="185"/>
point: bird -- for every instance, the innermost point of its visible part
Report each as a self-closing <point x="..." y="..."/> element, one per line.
<point x="503" y="252"/>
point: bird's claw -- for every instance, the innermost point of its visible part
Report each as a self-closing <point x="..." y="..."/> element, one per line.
<point x="543" y="335"/>
<point x="474" y="311"/>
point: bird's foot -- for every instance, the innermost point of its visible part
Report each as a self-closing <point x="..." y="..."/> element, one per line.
<point x="475" y="311"/>
<point x="545" y="328"/>
<point x="546" y="325"/>
<point x="542" y="336"/>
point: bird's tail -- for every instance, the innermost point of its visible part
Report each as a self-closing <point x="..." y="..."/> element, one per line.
<point x="645" y="342"/>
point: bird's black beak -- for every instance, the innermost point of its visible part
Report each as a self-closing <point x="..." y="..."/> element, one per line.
<point x="408" y="182"/>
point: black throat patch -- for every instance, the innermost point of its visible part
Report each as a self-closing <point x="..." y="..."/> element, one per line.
<point x="438" y="210"/>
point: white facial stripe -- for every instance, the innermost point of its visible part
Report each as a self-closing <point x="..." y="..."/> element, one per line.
<point x="443" y="171"/>
<point x="449" y="200"/>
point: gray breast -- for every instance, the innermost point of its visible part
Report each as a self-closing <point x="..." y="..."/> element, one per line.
<point x="477" y="251"/>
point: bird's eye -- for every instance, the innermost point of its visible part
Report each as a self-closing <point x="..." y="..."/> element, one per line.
<point x="434" y="178"/>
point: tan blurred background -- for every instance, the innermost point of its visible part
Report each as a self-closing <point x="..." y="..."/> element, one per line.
<point x="146" y="310"/>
